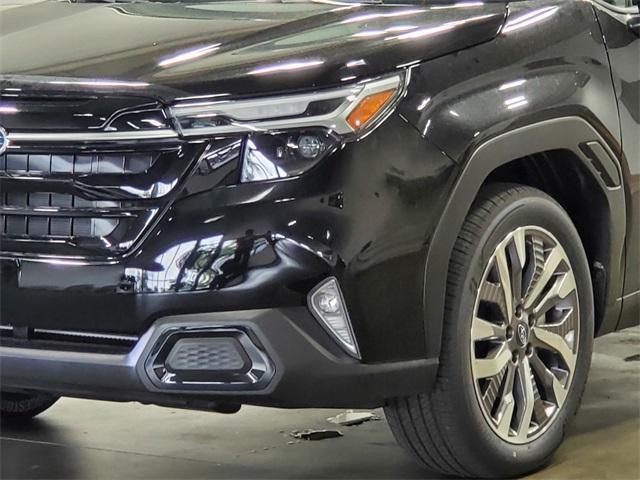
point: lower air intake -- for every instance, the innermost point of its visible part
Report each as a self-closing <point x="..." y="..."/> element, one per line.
<point x="188" y="358"/>
<point x="214" y="354"/>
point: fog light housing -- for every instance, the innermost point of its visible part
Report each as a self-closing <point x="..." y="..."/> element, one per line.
<point x="328" y="307"/>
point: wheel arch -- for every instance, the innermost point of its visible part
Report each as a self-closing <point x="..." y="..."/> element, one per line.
<point x="565" y="139"/>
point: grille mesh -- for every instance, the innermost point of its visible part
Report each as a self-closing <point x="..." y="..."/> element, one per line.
<point x="206" y="354"/>
<point x="76" y="163"/>
<point x="50" y="226"/>
<point x="24" y="213"/>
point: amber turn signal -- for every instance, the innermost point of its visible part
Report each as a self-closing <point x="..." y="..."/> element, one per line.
<point x="368" y="108"/>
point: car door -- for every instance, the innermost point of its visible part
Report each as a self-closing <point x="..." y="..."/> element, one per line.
<point x="620" y="23"/>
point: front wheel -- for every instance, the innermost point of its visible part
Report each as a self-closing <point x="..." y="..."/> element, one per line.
<point x="517" y="341"/>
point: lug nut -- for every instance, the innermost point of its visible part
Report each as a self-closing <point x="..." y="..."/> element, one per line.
<point x="509" y="333"/>
<point x="519" y="311"/>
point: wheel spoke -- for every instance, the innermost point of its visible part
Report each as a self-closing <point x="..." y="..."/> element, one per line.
<point x="553" y="260"/>
<point x="537" y="265"/>
<point x="518" y="262"/>
<point x="563" y="327"/>
<point x="492" y="293"/>
<point x="526" y="382"/>
<point x="521" y="246"/>
<point x="506" y="416"/>
<point x="505" y="281"/>
<point x="491" y="366"/>
<point x="552" y="386"/>
<point x="492" y="390"/>
<point x="539" y="408"/>
<point x="563" y="285"/>
<point x="546" y="339"/>
<point x="506" y="408"/>
<point x="485" y="330"/>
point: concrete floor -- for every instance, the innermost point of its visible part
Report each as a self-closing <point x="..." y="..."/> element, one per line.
<point x="87" y="439"/>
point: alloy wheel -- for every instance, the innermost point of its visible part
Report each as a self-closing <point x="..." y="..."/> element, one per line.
<point x="524" y="334"/>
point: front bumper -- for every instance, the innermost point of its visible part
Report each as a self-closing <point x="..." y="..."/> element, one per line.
<point x="362" y="216"/>
<point x="298" y="365"/>
<point x="245" y="257"/>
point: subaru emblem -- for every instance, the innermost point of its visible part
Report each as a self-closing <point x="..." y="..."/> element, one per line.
<point x="4" y="140"/>
<point x="523" y="335"/>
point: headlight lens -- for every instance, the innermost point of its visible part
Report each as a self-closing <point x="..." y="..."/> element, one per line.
<point x="287" y="135"/>
<point x="269" y="156"/>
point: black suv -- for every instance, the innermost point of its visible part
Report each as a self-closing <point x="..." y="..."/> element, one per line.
<point x="427" y="206"/>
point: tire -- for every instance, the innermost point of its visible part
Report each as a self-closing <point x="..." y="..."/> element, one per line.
<point x="20" y="407"/>
<point x="458" y="428"/>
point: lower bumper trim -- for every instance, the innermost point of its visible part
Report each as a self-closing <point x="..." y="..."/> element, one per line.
<point x="306" y="369"/>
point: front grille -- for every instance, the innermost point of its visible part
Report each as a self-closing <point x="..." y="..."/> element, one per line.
<point x="85" y="181"/>
<point x="26" y="213"/>
<point x="84" y="200"/>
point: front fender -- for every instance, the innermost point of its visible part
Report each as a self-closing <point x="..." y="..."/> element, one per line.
<point x="543" y="84"/>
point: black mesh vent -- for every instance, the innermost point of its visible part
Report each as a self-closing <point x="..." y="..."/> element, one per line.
<point x="76" y="164"/>
<point x="42" y="225"/>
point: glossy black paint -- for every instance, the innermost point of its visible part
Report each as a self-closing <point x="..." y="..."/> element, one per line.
<point x="521" y="77"/>
<point x="379" y="214"/>
<point x="624" y="52"/>
<point x="222" y="49"/>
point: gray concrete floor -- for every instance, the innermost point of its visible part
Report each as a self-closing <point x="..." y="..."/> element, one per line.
<point x="87" y="439"/>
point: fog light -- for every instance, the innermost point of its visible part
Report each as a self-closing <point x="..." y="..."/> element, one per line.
<point x="309" y="146"/>
<point x="327" y="305"/>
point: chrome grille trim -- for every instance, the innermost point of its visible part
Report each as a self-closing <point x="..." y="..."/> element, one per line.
<point x="25" y="137"/>
<point x="71" y="211"/>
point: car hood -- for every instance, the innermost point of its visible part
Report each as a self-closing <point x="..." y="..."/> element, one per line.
<point x="238" y="48"/>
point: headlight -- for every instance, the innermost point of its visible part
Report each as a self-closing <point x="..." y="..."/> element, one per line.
<point x="287" y="135"/>
<point x="279" y="155"/>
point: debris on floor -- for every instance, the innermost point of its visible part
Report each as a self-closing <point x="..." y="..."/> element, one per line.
<point x="633" y="358"/>
<point x="351" y="418"/>
<point x="316" y="434"/>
